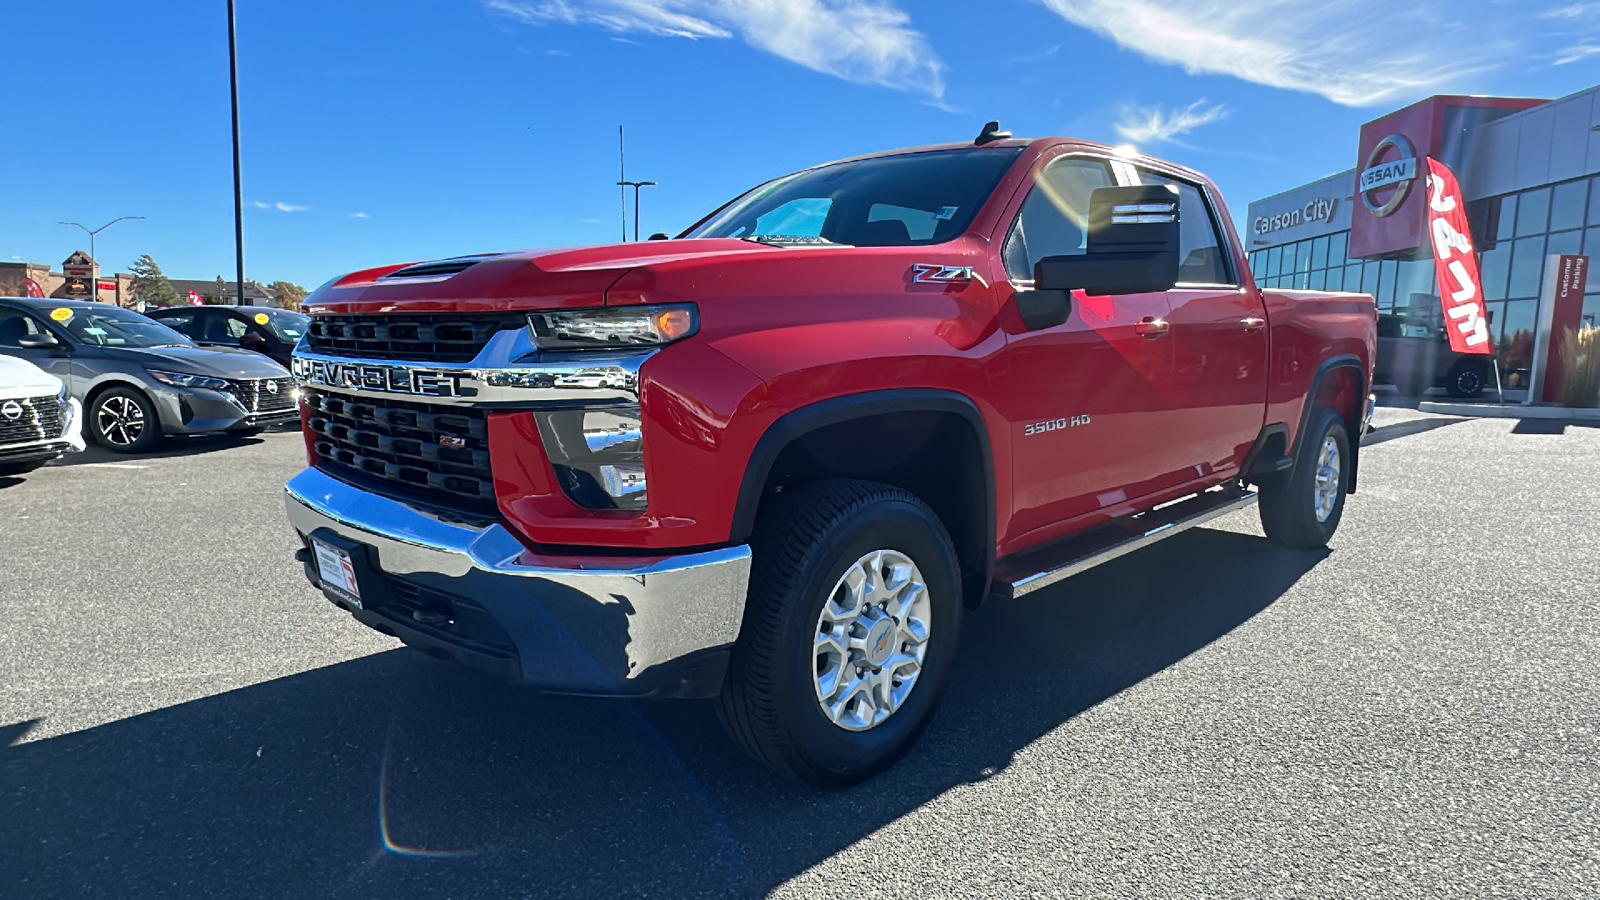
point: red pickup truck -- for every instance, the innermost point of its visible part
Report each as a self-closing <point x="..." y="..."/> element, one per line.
<point x="775" y="460"/>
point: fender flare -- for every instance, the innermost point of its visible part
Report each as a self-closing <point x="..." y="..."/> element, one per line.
<point x="795" y="425"/>
<point x="1344" y="361"/>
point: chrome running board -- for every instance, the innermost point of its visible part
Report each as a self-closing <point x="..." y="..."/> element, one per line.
<point x="1040" y="568"/>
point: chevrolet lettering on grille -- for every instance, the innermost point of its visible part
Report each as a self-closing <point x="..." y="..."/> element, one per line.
<point x="387" y="379"/>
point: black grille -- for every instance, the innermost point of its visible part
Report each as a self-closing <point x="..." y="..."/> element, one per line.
<point x="440" y="452"/>
<point x="37" y="419"/>
<point x="452" y="337"/>
<point x="264" y="395"/>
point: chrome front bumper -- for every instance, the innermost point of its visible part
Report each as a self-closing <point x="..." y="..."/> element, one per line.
<point x="626" y="627"/>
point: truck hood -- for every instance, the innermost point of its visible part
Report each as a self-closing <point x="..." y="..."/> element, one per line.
<point x="528" y="279"/>
<point x="216" y="362"/>
<point x="20" y="379"/>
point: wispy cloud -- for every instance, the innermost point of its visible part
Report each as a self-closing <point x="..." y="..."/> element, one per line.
<point x="1576" y="53"/>
<point x="1580" y="22"/>
<point x="1575" y="11"/>
<point x="862" y="41"/>
<point x="359" y="215"/>
<point x="1153" y="124"/>
<point x="1332" y="49"/>
<point x="280" y="206"/>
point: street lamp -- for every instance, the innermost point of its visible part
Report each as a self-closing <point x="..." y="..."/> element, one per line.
<point x="95" y="232"/>
<point x="636" y="185"/>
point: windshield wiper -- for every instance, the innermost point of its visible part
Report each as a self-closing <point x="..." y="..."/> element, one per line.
<point x="789" y="239"/>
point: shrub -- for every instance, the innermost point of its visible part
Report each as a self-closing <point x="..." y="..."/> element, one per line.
<point x="1580" y="364"/>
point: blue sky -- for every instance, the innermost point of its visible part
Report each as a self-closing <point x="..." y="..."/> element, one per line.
<point x="406" y="130"/>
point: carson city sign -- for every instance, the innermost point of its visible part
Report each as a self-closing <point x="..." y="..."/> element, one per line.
<point x="1396" y="173"/>
<point x="1318" y="210"/>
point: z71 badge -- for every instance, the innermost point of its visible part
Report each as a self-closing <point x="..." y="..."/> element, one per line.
<point x="934" y="273"/>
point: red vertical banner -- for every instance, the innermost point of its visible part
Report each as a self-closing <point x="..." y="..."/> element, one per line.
<point x="1456" y="262"/>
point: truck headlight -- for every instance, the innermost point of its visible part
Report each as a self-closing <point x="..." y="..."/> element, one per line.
<point x="612" y="327"/>
<point x="64" y="404"/>
<point x="179" y="379"/>
<point x="597" y="454"/>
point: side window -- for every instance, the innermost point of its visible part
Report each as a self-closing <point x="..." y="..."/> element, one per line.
<point x="1202" y="254"/>
<point x="16" y="325"/>
<point x="218" y="327"/>
<point x="1055" y="218"/>
<point x="183" y="323"/>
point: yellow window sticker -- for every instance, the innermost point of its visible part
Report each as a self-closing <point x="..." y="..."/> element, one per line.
<point x="61" y="314"/>
<point x="261" y="318"/>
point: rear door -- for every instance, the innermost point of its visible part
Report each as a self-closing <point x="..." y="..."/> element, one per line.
<point x="15" y="324"/>
<point x="1219" y="343"/>
<point x="1084" y="400"/>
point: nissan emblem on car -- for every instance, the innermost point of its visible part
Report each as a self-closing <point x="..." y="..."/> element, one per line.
<point x="12" y="410"/>
<point x="272" y="386"/>
<point x="1396" y="173"/>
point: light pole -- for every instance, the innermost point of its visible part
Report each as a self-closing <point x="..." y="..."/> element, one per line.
<point x="636" y="185"/>
<point x="91" y="235"/>
<point x="238" y="184"/>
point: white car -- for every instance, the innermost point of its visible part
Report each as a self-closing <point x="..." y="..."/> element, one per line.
<point x="39" y="421"/>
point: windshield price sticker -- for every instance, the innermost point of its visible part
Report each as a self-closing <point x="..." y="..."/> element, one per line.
<point x="261" y="318"/>
<point x="61" y="314"/>
<point x="948" y="212"/>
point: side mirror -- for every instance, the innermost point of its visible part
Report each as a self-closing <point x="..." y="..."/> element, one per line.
<point x="661" y="236"/>
<point x="38" y="342"/>
<point x="252" y="341"/>
<point x="1132" y="245"/>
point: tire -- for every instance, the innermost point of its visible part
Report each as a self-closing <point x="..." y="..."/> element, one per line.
<point x="11" y="470"/>
<point x="804" y="549"/>
<point x="1290" y="510"/>
<point x="1466" y="380"/>
<point x="130" y="409"/>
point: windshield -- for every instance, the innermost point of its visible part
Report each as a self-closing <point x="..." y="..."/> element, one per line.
<point x="121" y="328"/>
<point x="286" y="326"/>
<point x="888" y="201"/>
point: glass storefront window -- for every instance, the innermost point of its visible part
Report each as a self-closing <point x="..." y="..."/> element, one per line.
<point x="1416" y="277"/>
<point x="1527" y="266"/>
<point x="1533" y="212"/>
<point x="1566" y="205"/>
<point x="1336" y="249"/>
<point x="1493" y="266"/>
<point x="1335" y="281"/>
<point x="1369" y="282"/>
<point x="1591" y="245"/>
<point x="1594" y="200"/>
<point x="1508" y="218"/>
<point x="1565" y="243"/>
<point x="1515" y="349"/>
<point x="1352" y="278"/>
<point x="1319" y="253"/>
<point x="1274" y="262"/>
<point x="1386" y="276"/>
<point x="1319" y="280"/>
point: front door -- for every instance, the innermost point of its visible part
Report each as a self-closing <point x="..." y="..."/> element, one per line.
<point x="1219" y="344"/>
<point x="15" y="325"/>
<point x="1085" y="401"/>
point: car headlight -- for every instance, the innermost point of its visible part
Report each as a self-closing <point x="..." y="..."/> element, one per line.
<point x="64" y="403"/>
<point x="611" y="327"/>
<point x="179" y="379"/>
<point x="598" y="455"/>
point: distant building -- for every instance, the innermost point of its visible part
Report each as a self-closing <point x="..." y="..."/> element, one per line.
<point x="23" y="279"/>
<point x="226" y="293"/>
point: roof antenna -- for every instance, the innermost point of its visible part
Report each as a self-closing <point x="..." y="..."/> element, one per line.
<point x="991" y="133"/>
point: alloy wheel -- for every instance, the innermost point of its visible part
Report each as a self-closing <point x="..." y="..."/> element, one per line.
<point x="120" y="421"/>
<point x="872" y="637"/>
<point x="1325" y="486"/>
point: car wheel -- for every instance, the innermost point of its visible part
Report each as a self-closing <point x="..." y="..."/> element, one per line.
<point x="1466" y="380"/>
<point x="124" y="420"/>
<point x="1303" y="510"/>
<point x="10" y="470"/>
<point x="849" y="634"/>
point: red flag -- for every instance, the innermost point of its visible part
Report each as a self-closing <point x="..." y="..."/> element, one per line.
<point x="196" y="300"/>
<point x="1456" y="262"/>
<point x="34" y="290"/>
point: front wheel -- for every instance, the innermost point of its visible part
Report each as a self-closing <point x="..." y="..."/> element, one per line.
<point x="1303" y="510"/>
<point x="1465" y="381"/>
<point x="124" y="420"/>
<point x="850" y="631"/>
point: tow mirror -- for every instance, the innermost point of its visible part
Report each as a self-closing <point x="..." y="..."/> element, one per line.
<point x="38" y="342"/>
<point x="1132" y="245"/>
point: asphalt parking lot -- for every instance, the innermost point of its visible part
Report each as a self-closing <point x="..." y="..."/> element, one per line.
<point x="1413" y="713"/>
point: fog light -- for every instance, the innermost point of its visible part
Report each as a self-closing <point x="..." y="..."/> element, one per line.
<point x="598" y="455"/>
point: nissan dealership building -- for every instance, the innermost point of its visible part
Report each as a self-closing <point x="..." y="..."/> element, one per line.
<point x="1530" y="173"/>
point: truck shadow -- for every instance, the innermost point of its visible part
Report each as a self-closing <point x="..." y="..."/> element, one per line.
<point x="394" y="775"/>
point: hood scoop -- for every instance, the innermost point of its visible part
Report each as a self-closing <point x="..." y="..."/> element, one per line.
<point x="436" y="271"/>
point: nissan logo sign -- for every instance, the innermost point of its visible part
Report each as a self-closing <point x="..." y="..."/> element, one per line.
<point x="12" y="410"/>
<point x="1396" y="173"/>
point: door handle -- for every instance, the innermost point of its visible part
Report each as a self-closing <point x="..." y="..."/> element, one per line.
<point x="1151" y="327"/>
<point x="1252" y="323"/>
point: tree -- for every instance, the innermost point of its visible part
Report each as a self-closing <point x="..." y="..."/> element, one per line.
<point x="220" y="295"/>
<point x="291" y="295"/>
<point x="150" y="284"/>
